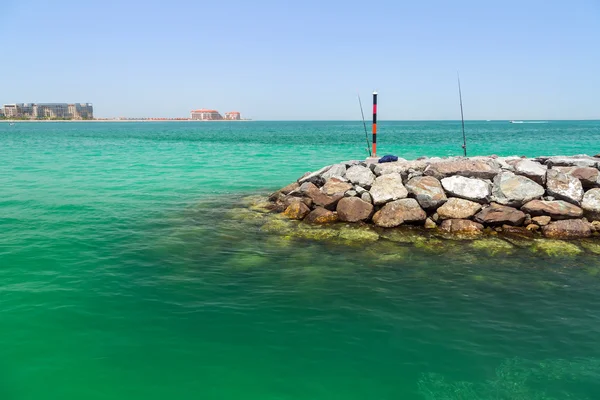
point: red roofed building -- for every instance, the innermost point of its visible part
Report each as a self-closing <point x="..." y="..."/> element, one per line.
<point x="206" y="115"/>
<point x="233" y="115"/>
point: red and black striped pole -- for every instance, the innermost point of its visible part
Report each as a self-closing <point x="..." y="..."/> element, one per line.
<point x="374" y="124"/>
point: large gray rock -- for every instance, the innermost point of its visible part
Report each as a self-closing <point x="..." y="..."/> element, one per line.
<point x="353" y="209"/>
<point x="568" y="229"/>
<point x="515" y="190"/>
<point x="399" y="212"/>
<point x="532" y="170"/>
<point x="497" y="215"/>
<point x="462" y="226"/>
<point x="575" y="161"/>
<point x="484" y="168"/>
<point x="428" y="191"/>
<point x="456" y="208"/>
<point x="387" y="188"/>
<point x="467" y="188"/>
<point x="556" y="209"/>
<point x="591" y="204"/>
<point x="564" y="186"/>
<point x="336" y="171"/>
<point x="359" y="175"/>
<point x="401" y="167"/>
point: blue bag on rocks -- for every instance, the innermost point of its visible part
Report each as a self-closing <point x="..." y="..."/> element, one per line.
<point x="388" y="158"/>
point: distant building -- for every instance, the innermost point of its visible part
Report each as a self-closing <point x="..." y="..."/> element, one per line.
<point x="49" y="110"/>
<point x="206" y="115"/>
<point x="233" y="116"/>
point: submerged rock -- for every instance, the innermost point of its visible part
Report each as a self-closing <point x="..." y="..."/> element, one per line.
<point x="515" y="190"/>
<point x="428" y="191"/>
<point x="467" y="188"/>
<point x="296" y="210"/>
<point x="591" y="204"/>
<point x="556" y="248"/>
<point x="557" y="209"/>
<point x="357" y="236"/>
<point x="456" y="208"/>
<point x="567" y="229"/>
<point x="564" y="186"/>
<point x="497" y="214"/>
<point x="387" y="188"/>
<point x="398" y="212"/>
<point x="353" y="209"/>
<point x="493" y="247"/>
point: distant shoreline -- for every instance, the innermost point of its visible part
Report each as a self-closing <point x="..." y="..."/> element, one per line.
<point x="14" y="121"/>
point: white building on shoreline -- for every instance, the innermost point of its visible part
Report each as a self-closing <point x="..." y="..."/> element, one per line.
<point x="78" y="111"/>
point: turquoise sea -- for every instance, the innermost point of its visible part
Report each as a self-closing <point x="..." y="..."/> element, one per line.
<point x="126" y="272"/>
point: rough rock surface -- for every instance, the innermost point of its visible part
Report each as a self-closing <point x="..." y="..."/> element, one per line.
<point x="567" y="229"/>
<point x="591" y="204"/>
<point x="556" y="209"/>
<point x="428" y="191"/>
<point x="321" y="199"/>
<point x="462" y="226"/>
<point x="401" y="167"/>
<point x="336" y="171"/>
<point x="335" y="186"/>
<point x="359" y="175"/>
<point x="564" y="186"/>
<point x="542" y="220"/>
<point x="429" y="224"/>
<point x="290" y="188"/>
<point x="532" y="170"/>
<point x="515" y="190"/>
<point x="483" y="168"/>
<point x="398" y="212"/>
<point x="456" y="208"/>
<point x="589" y="177"/>
<point x="296" y="210"/>
<point x="497" y="214"/>
<point x="366" y="197"/>
<point x="353" y="209"/>
<point x="467" y="188"/>
<point x="576" y="161"/>
<point x="388" y="188"/>
<point x="321" y="216"/>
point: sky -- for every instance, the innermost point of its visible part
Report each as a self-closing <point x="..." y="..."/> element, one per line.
<point x="306" y="60"/>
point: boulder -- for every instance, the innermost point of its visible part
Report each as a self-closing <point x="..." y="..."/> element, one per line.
<point x="290" y="188"/>
<point x="335" y="186"/>
<point x="321" y="216"/>
<point x="532" y="170"/>
<point x="515" y="190"/>
<point x="336" y="171"/>
<point x="462" y="226"/>
<point x="360" y="190"/>
<point x="305" y="188"/>
<point x="497" y="214"/>
<point x="321" y="199"/>
<point x="556" y="209"/>
<point x="359" y="175"/>
<point x="567" y="229"/>
<point x="589" y="177"/>
<point x="398" y="212"/>
<point x="456" y="208"/>
<point x="387" y="188"/>
<point x="350" y="193"/>
<point x="314" y="176"/>
<point x="429" y="224"/>
<point x="591" y="204"/>
<point x="542" y="220"/>
<point x="428" y="191"/>
<point x="366" y="197"/>
<point x="564" y="186"/>
<point x="467" y="188"/>
<point x="483" y="169"/>
<point x="353" y="209"/>
<point x="575" y="161"/>
<point x="296" y="210"/>
<point x="402" y="167"/>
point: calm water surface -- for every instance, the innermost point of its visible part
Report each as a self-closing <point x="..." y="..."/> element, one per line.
<point x="126" y="272"/>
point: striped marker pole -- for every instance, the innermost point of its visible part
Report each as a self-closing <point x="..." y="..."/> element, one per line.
<point x="374" y="124"/>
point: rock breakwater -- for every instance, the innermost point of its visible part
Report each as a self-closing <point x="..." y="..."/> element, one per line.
<point x="553" y="197"/>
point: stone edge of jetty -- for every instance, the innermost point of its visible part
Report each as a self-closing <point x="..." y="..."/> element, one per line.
<point x="555" y="197"/>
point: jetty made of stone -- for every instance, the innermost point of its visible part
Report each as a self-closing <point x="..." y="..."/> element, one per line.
<point x="555" y="197"/>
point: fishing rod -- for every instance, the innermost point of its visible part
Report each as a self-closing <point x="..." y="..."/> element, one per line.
<point x="462" y="117"/>
<point x="364" y="124"/>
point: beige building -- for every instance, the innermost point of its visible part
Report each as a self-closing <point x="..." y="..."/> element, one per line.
<point x="49" y="110"/>
<point x="205" y="115"/>
<point x="233" y="116"/>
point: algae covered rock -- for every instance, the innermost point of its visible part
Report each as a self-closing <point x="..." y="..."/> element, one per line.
<point x="321" y="216"/>
<point x="456" y="208"/>
<point x="493" y="246"/>
<point x="567" y="229"/>
<point x="462" y="226"/>
<point x="398" y="212"/>
<point x="467" y="188"/>
<point x="556" y="248"/>
<point x="353" y="209"/>
<point x="357" y="235"/>
<point x="387" y="188"/>
<point x="428" y="191"/>
<point x="497" y="214"/>
<point x="296" y="210"/>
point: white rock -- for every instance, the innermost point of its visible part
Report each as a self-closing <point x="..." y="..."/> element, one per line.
<point x="467" y="188"/>
<point x="359" y="175"/>
<point x="388" y="188"/>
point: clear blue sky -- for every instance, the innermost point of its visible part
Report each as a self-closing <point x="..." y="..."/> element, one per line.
<point x="306" y="59"/>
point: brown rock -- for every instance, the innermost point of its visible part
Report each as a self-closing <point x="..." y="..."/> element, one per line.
<point x="429" y="224"/>
<point x="483" y="169"/>
<point x="517" y="231"/>
<point x="289" y="188"/>
<point x="353" y="209"/>
<point x="428" y="191"/>
<point x="296" y="210"/>
<point x="589" y="177"/>
<point x="533" y="227"/>
<point x="321" y="199"/>
<point x="398" y="212"/>
<point x="497" y="214"/>
<point x="321" y="216"/>
<point x="456" y="208"/>
<point x="542" y="220"/>
<point x="462" y="226"/>
<point x="568" y="229"/>
<point x="335" y="186"/>
<point x="557" y="209"/>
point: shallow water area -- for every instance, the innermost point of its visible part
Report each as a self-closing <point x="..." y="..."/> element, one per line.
<point x="135" y="264"/>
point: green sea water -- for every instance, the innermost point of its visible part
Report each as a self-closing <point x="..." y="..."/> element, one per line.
<point x="129" y="269"/>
